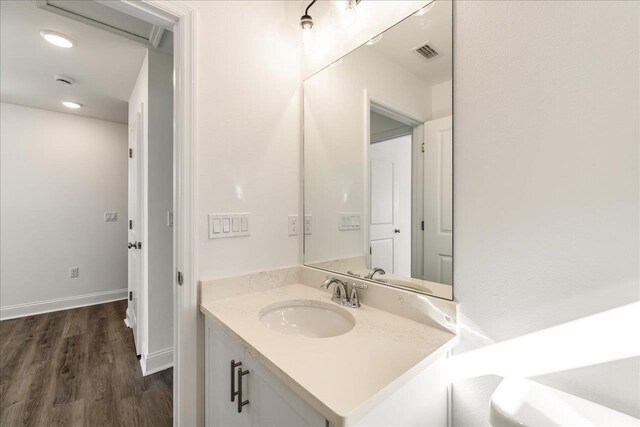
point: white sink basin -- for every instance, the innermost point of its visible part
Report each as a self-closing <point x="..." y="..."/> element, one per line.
<point x="307" y="318"/>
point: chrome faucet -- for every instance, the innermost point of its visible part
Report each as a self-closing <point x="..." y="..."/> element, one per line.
<point x="340" y="292"/>
<point x="373" y="271"/>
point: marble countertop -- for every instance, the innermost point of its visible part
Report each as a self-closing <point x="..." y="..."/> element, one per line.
<point x="341" y="377"/>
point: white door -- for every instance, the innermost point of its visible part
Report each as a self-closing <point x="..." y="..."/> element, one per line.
<point x="384" y="228"/>
<point x="438" y="200"/>
<point x="390" y="191"/>
<point x="136" y="135"/>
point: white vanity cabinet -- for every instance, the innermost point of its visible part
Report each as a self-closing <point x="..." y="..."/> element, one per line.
<point x="421" y="401"/>
<point x="271" y="403"/>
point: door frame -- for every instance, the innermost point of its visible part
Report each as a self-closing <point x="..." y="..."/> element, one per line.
<point x="187" y="362"/>
<point x="373" y="101"/>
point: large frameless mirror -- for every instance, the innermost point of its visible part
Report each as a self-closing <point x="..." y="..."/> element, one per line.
<point x="378" y="158"/>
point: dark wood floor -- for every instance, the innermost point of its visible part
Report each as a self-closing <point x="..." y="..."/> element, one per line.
<point x="78" y="368"/>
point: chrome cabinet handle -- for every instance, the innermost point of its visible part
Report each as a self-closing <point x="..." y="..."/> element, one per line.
<point x="241" y="402"/>
<point x="234" y="393"/>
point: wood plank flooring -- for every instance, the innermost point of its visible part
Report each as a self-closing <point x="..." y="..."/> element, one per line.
<point x="78" y="368"/>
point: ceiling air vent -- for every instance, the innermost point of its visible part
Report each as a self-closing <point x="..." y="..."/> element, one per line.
<point x="427" y="51"/>
<point x="63" y="79"/>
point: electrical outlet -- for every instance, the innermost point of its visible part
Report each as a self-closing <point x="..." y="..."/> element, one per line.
<point x="74" y="272"/>
<point x="307" y="224"/>
<point x="169" y="219"/>
<point x="293" y="225"/>
<point x="110" y="216"/>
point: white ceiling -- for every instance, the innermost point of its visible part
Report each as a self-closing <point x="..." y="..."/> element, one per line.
<point x="435" y="26"/>
<point x="104" y="65"/>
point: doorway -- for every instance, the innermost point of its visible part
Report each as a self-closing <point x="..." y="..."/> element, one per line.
<point x="170" y="16"/>
<point x="395" y="173"/>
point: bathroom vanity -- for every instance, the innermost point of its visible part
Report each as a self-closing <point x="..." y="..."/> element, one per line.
<point x="281" y="352"/>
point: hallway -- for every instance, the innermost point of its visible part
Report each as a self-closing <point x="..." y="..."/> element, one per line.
<point x="78" y="367"/>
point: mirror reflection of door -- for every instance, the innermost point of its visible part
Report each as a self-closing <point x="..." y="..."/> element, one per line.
<point x="390" y="195"/>
<point x="438" y="201"/>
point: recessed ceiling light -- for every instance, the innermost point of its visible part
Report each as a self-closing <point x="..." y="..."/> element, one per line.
<point x="57" y="39"/>
<point x="374" y="40"/>
<point x="71" y="104"/>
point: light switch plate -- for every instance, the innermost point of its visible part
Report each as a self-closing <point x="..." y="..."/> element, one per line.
<point x="228" y="225"/>
<point x="307" y="224"/>
<point x="293" y="225"/>
<point x="110" y="216"/>
<point x="169" y="219"/>
<point x="349" y="221"/>
<point x="74" y="272"/>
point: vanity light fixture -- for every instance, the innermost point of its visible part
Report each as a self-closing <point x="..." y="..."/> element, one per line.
<point x="71" y="104"/>
<point x="344" y="13"/>
<point x="57" y="39"/>
<point x="306" y="22"/>
<point x="374" y="40"/>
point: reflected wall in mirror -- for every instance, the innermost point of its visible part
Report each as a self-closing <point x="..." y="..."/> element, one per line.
<point x="378" y="158"/>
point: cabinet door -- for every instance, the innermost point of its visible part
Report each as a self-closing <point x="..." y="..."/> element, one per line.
<point x="220" y="350"/>
<point x="274" y="404"/>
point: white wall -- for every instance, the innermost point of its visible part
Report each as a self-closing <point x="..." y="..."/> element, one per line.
<point x="60" y="174"/>
<point x="248" y="134"/>
<point x="441" y="100"/>
<point x="546" y="176"/>
<point x="546" y="179"/>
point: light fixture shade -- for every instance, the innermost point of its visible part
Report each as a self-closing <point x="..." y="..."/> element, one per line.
<point x="306" y="22"/>
<point x="57" y="39"/>
<point x="344" y="14"/>
<point x="72" y="104"/>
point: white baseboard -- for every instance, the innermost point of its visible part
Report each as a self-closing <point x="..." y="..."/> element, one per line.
<point x="57" y="304"/>
<point x="156" y="361"/>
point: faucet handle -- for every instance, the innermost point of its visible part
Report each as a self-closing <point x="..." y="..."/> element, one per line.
<point x="354" y="300"/>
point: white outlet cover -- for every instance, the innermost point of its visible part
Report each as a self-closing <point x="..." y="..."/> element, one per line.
<point x="308" y="224"/>
<point x="293" y="225"/>
<point x="74" y="272"/>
